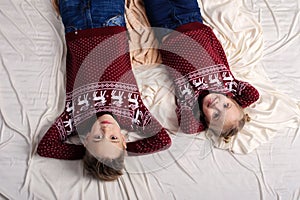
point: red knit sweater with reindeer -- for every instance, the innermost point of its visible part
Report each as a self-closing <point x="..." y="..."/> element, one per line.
<point x="100" y="79"/>
<point x="198" y="64"/>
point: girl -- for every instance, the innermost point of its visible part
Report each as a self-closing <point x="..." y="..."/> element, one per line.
<point x="207" y="93"/>
<point x="102" y="95"/>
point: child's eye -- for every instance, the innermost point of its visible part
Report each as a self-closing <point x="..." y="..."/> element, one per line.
<point x="113" y="137"/>
<point x="226" y="105"/>
<point x="216" y="115"/>
<point x="98" y="137"/>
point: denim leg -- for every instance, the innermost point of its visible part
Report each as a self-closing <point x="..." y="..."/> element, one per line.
<point x="85" y="14"/>
<point x="172" y="13"/>
<point x="73" y="15"/>
<point x="108" y="13"/>
<point x="186" y="11"/>
<point x="159" y="12"/>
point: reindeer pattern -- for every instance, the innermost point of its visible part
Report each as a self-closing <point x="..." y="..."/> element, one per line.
<point x="216" y="81"/>
<point x="118" y="99"/>
<point x="84" y="103"/>
<point x="100" y="100"/>
<point x="125" y="102"/>
<point x="216" y="78"/>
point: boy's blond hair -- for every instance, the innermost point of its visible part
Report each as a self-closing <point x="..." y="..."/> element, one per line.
<point x="107" y="169"/>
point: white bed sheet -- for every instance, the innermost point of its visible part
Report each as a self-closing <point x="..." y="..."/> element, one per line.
<point x="31" y="96"/>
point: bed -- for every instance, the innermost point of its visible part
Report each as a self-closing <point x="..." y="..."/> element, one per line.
<point x="262" y="41"/>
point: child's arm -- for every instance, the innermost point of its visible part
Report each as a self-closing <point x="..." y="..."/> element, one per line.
<point x="158" y="142"/>
<point x="246" y="94"/>
<point x="52" y="146"/>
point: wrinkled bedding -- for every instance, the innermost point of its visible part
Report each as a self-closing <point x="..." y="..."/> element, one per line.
<point x="262" y="41"/>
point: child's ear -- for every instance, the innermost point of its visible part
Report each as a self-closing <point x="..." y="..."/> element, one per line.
<point x="85" y="140"/>
<point x="124" y="142"/>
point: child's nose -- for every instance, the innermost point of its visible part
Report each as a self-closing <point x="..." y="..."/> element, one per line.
<point x="104" y="127"/>
<point x="217" y="106"/>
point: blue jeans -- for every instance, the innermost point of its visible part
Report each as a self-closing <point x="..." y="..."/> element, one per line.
<point x="85" y="14"/>
<point x="171" y="14"/>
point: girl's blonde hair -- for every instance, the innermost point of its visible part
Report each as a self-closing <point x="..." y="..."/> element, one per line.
<point x="233" y="130"/>
<point x="55" y="5"/>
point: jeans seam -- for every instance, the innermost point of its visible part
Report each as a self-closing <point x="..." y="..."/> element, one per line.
<point x="89" y="22"/>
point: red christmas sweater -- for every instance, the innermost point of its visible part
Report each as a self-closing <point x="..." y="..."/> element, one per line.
<point x="198" y="64"/>
<point x="100" y="79"/>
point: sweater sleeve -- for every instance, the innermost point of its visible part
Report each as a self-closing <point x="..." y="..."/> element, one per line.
<point x="245" y="94"/>
<point x="155" y="143"/>
<point x="52" y="146"/>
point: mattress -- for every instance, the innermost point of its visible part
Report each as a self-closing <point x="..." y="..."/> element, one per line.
<point x="262" y="41"/>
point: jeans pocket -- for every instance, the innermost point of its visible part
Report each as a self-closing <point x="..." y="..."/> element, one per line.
<point x="118" y="20"/>
<point x="72" y="14"/>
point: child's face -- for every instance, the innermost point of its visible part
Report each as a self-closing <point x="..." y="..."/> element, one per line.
<point x="221" y="111"/>
<point x="105" y="138"/>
